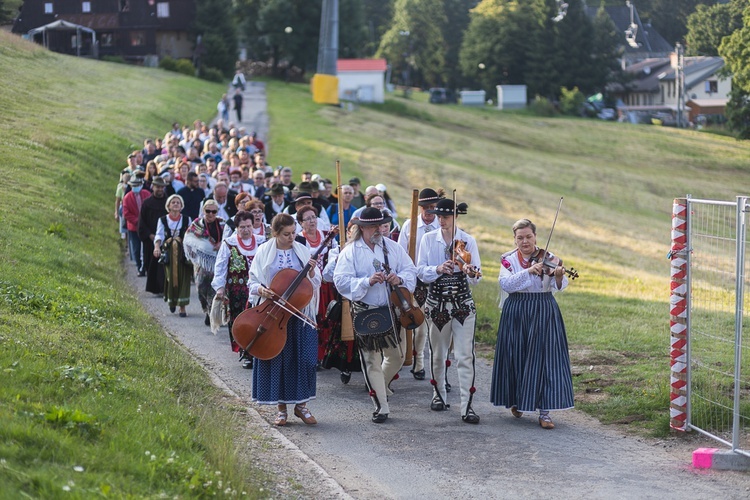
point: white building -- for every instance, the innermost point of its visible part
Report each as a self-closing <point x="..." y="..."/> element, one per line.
<point x="361" y="80"/>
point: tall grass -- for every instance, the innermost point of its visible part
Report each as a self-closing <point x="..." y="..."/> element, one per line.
<point x="95" y="400"/>
<point x="618" y="182"/>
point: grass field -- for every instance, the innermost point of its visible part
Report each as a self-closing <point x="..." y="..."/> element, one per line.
<point x="618" y="182"/>
<point x="95" y="400"/>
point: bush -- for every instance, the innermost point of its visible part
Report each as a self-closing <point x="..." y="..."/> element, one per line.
<point x="571" y="101"/>
<point x="168" y="64"/>
<point x="211" y="74"/>
<point x="177" y="65"/>
<point x="185" y="67"/>
<point x="541" y="106"/>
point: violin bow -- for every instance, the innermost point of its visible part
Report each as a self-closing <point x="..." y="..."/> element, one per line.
<point x="544" y="256"/>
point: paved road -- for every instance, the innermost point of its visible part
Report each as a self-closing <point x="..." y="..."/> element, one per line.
<point x="423" y="454"/>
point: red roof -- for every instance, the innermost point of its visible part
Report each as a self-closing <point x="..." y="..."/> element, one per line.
<point x="360" y="65"/>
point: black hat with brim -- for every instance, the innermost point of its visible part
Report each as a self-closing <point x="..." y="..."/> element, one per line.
<point x="428" y="196"/>
<point x="445" y="207"/>
<point x="372" y="216"/>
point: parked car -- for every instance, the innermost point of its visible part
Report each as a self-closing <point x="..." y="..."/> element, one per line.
<point x="607" y="114"/>
<point x="442" y="96"/>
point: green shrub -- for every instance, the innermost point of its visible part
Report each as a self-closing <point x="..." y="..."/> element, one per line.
<point x="571" y="101"/>
<point x="185" y="67"/>
<point x="211" y="74"/>
<point x="541" y="106"/>
<point x="167" y="63"/>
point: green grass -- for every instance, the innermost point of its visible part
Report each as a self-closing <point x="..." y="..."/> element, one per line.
<point x="618" y="181"/>
<point x="94" y="397"/>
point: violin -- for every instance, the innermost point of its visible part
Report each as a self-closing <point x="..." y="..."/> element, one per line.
<point x="550" y="263"/>
<point x="261" y="330"/>
<point x="411" y="317"/>
<point x="463" y="260"/>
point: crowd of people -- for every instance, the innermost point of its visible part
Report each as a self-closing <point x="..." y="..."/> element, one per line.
<point x="201" y="206"/>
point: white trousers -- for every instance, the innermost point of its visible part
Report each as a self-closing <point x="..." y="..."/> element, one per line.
<point x="419" y="340"/>
<point x="463" y="351"/>
<point x="379" y="368"/>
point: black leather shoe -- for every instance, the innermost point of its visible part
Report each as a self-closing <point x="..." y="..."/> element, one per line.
<point x="141" y="274"/>
<point x="172" y="309"/>
<point x="379" y="418"/>
<point x="419" y="375"/>
<point x="247" y="363"/>
<point x="183" y="315"/>
<point x="346" y="377"/>
<point x="437" y="404"/>
<point x="207" y="321"/>
<point x="470" y="417"/>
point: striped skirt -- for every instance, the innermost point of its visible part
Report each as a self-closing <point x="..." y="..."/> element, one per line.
<point x="532" y="366"/>
<point x="290" y="377"/>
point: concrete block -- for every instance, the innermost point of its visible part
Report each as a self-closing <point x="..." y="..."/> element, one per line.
<point x="714" y="458"/>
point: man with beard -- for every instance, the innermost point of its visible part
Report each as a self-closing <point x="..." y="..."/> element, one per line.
<point x="367" y="268"/>
<point x="193" y="196"/>
<point x="152" y="209"/>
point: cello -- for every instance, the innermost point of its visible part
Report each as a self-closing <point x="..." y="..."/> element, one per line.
<point x="261" y="330"/>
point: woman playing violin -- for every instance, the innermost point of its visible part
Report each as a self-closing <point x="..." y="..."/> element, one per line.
<point x="450" y="311"/>
<point x="532" y="366"/>
<point x="289" y="378"/>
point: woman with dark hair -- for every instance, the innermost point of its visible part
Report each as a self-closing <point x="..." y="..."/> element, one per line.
<point x="532" y="366"/>
<point x="290" y="377"/>
<point x="313" y="238"/>
<point x="170" y="232"/>
<point x="232" y="271"/>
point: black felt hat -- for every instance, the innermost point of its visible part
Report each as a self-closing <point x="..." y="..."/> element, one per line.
<point x="428" y="196"/>
<point x="372" y="216"/>
<point x="445" y="207"/>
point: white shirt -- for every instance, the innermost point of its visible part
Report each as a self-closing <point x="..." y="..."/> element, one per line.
<point x="422" y="229"/>
<point x="515" y="277"/>
<point x="174" y="227"/>
<point x="222" y="259"/>
<point x="433" y="251"/>
<point x="357" y="262"/>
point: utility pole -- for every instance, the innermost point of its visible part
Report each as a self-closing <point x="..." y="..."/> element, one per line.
<point x="680" y="85"/>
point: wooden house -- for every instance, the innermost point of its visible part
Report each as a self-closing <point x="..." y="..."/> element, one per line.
<point x="132" y="29"/>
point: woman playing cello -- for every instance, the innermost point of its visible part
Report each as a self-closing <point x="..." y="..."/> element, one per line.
<point x="289" y="378"/>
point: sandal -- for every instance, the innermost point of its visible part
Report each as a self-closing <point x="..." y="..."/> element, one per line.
<point x="303" y="413"/>
<point x="514" y="411"/>
<point x="280" y="419"/>
<point x="546" y="422"/>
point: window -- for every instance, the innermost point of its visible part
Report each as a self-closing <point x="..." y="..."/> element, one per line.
<point x="85" y="7"/>
<point x="137" y="38"/>
<point x="712" y="86"/>
<point x="48" y="8"/>
<point x="162" y="9"/>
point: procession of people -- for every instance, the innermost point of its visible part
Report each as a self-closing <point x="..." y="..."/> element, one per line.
<point x="202" y="207"/>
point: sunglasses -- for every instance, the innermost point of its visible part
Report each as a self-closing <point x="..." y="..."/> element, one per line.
<point x="211" y="211"/>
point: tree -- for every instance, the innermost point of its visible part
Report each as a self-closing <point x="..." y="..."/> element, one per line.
<point x="214" y="22"/>
<point x="378" y="14"/>
<point x="574" y="50"/>
<point x="669" y="17"/>
<point x="290" y="30"/>
<point x="353" y="30"/>
<point x="733" y="49"/>
<point x="708" y="25"/>
<point x="414" y="43"/>
<point x="5" y="14"/>
<point x="606" y="52"/>
<point x="453" y="34"/>
<point x="495" y="46"/>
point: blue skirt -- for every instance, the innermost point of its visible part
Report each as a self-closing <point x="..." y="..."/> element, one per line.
<point x="532" y="365"/>
<point x="289" y="378"/>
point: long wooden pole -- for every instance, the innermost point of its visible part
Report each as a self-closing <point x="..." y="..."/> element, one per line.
<point x="409" y="358"/>
<point x="347" y="329"/>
